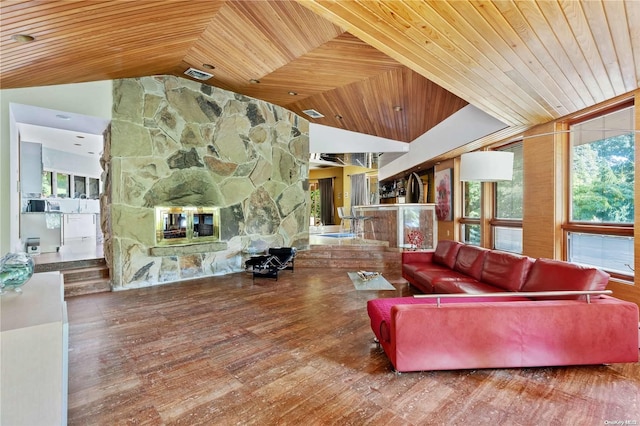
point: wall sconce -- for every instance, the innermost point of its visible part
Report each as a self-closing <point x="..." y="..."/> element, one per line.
<point x="486" y="166"/>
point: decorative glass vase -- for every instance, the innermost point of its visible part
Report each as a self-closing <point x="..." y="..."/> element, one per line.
<point x="15" y="271"/>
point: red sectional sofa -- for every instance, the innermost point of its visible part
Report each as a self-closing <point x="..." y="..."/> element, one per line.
<point x="481" y="330"/>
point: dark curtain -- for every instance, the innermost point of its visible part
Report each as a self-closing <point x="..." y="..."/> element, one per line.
<point x="326" y="201"/>
<point x="358" y="191"/>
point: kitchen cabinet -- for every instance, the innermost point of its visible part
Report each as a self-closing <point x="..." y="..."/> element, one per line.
<point x="34" y="342"/>
<point x="78" y="228"/>
<point x="30" y="169"/>
<point x="56" y="230"/>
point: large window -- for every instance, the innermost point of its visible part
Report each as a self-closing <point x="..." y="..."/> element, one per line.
<point x="47" y="187"/>
<point x="600" y="228"/>
<point x="470" y="222"/>
<point x="62" y="185"/>
<point x="508" y="200"/>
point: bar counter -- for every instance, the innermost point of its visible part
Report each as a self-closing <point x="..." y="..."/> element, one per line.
<point x="406" y="226"/>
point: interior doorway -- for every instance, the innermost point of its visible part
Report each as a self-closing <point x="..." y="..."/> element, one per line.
<point x="56" y="208"/>
<point x="322" y="204"/>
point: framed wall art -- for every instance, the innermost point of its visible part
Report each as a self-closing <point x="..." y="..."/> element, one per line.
<point x="444" y="196"/>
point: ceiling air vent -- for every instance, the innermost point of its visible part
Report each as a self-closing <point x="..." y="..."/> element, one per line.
<point x="197" y="74"/>
<point x="312" y="113"/>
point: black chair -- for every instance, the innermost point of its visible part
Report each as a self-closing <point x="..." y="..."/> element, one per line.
<point x="277" y="259"/>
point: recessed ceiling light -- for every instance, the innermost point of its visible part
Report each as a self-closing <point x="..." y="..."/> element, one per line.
<point x="292" y="93"/>
<point x="79" y="136"/>
<point x="197" y="74"/>
<point x="208" y="66"/>
<point x="91" y="152"/>
<point x="63" y="117"/>
<point x="312" y="113"/>
<point x="77" y="144"/>
<point x="23" y="38"/>
<point x="397" y="108"/>
<point x="254" y="81"/>
<point x="338" y="116"/>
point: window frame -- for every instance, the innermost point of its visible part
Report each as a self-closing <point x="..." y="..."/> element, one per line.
<point x="494" y="221"/>
<point x="602" y="228"/>
<point x="464" y="220"/>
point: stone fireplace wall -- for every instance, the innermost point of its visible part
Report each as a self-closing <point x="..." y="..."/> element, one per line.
<point x="175" y="142"/>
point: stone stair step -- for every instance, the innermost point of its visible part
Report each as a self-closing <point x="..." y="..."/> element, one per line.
<point x="80" y="288"/>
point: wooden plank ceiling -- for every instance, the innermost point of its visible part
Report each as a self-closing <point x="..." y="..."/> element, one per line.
<point x="387" y="68"/>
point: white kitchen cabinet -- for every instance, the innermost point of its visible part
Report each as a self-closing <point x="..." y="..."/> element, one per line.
<point x="78" y="228"/>
<point x="30" y="169"/>
<point x="34" y="341"/>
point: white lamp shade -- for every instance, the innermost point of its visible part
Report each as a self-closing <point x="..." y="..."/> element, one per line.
<point x="486" y="166"/>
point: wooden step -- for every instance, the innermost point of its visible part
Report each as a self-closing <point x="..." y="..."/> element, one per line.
<point x="79" y="288"/>
<point x="87" y="277"/>
<point x="366" y="257"/>
<point x="84" y="274"/>
<point x="69" y="264"/>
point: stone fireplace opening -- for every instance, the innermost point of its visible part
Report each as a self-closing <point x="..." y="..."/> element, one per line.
<point x="187" y="225"/>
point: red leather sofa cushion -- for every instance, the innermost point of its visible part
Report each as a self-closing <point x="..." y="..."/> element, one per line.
<point x="412" y="261"/>
<point x="446" y="252"/>
<point x="425" y="278"/>
<point x="505" y="270"/>
<point x="468" y="285"/>
<point x="414" y="268"/>
<point x="551" y="275"/>
<point x="470" y="260"/>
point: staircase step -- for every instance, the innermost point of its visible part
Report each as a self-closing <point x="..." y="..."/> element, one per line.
<point x="83" y="274"/>
<point x="69" y="264"/>
<point x="357" y="264"/>
<point x="80" y="288"/>
<point x="367" y="257"/>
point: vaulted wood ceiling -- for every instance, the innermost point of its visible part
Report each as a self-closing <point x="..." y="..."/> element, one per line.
<point x="388" y="68"/>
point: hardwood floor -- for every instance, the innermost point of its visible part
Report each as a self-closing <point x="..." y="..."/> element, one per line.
<point x="298" y="351"/>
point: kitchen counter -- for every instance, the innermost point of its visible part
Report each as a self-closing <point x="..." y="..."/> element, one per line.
<point x="59" y="212"/>
<point x="55" y="229"/>
<point x="64" y="205"/>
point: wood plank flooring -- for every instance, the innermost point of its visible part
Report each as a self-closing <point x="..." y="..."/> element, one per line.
<point x="298" y="351"/>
